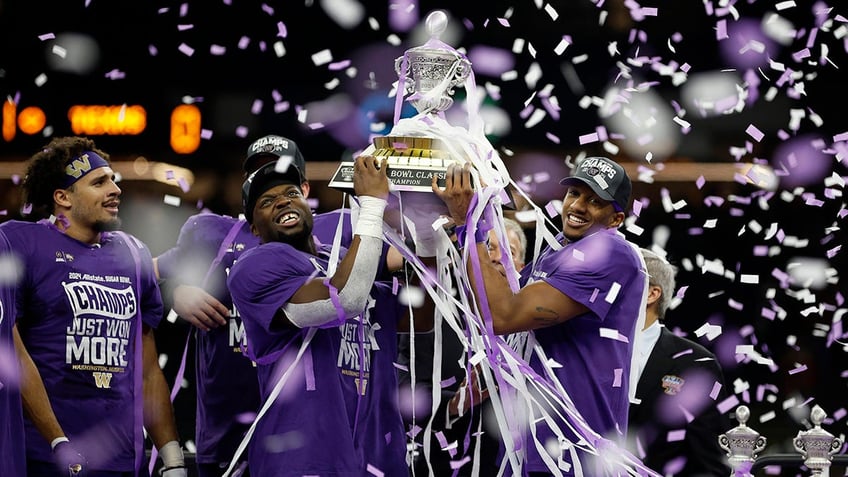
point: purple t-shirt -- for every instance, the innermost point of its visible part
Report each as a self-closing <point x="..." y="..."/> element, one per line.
<point x="366" y="360"/>
<point x="78" y="315"/>
<point x="13" y="461"/>
<point x="324" y="227"/>
<point x="335" y="428"/>
<point x="227" y="387"/>
<point x="306" y="430"/>
<point x="226" y="379"/>
<point x="603" y="272"/>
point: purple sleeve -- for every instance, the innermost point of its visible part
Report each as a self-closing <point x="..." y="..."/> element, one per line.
<point x="12" y="431"/>
<point x="593" y="271"/>
<point x="168" y="262"/>
<point x="265" y="278"/>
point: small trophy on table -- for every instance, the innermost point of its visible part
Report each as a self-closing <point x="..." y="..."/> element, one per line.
<point x="816" y="445"/>
<point x="742" y="444"/>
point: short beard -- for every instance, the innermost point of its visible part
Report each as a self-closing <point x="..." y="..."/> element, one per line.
<point x="297" y="238"/>
<point x="570" y="238"/>
<point x="108" y="226"/>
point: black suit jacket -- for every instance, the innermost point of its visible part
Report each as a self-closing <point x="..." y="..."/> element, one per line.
<point x="677" y="423"/>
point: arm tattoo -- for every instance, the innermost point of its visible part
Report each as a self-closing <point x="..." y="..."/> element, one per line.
<point x="550" y="317"/>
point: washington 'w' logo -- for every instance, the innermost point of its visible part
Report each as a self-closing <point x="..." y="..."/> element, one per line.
<point x="78" y="166"/>
<point x="102" y="380"/>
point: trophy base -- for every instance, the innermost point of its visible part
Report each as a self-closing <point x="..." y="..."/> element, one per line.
<point x="403" y="178"/>
<point x="412" y="162"/>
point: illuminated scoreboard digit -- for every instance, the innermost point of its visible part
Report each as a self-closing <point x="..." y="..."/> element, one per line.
<point x="185" y="129"/>
<point x="98" y="120"/>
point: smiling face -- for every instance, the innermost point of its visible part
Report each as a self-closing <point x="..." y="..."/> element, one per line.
<point x="281" y="214"/>
<point x="90" y="204"/>
<point x="584" y="212"/>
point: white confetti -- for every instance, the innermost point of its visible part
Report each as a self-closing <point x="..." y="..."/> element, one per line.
<point x="322" y="57"/>
<point x="172" y="200"/>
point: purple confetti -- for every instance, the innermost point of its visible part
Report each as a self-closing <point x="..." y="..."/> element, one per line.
<point x="755" y="133"/>
<point x="728" y="403"/>
<point x="716" y="389"/>
<point x="256" y="107"/>
<point x="721" y="30"/>
<point x="588" y="138"/>
<point x="185" y="49"/>
<point x="374" y="471"/>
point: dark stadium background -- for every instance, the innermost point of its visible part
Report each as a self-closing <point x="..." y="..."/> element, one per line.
<point x="229" y="85"/>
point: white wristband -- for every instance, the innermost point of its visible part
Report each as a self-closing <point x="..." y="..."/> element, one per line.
<point x="370" y="221"/>
<point x="172" y="455"/>
<point x="55" y="442"/>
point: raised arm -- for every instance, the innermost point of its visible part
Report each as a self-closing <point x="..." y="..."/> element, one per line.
<point x="312" y="304"/>
<point x="536" y="305"/>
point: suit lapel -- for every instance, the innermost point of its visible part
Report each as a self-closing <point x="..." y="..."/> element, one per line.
<point x="656" y="367"/>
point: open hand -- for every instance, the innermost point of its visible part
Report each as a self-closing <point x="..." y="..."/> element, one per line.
<point x="199" y="308"/>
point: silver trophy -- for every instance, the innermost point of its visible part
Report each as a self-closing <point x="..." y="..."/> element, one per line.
<point x="742" y="443"/>
<point x="433" y="70"/>
<point x="816" y="445"/>
<point x="428" y="73"/>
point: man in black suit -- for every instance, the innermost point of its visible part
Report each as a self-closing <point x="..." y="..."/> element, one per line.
<point x="674" y="423"/>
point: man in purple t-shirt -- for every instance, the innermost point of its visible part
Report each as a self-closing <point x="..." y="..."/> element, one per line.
<point x="321" y="334"/>
<point x="12" y="430"/>
<point x="584" y="298"/>
<point x="195" y="271"/>
<point x="87" y="305"/>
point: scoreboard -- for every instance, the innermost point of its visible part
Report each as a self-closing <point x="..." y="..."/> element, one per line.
<point x="184" y="125"/>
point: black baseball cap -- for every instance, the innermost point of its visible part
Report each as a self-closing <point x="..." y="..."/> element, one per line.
<point x="276" y="146"/>
<point x="606" y="177"/>
<point x="263" y="179"/>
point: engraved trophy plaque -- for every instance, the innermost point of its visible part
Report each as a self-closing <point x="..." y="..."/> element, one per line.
<point x="429" y="73"/>
<point x="742" y="444"/>
<point x="816" y="445"/>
